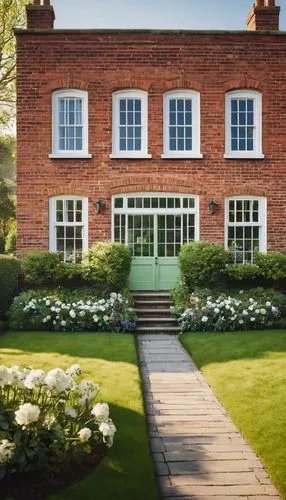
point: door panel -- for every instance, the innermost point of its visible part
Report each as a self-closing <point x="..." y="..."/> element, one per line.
<point x="142" y="276"/>
<point x="167" y="272"/>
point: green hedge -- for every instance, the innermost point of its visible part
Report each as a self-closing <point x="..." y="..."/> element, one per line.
<point x="41" y="268"/>
<point x="10" y="269"/>
<point x="201" y="262"/>
<point x="272" y="265"/>
<point x="108" y="265"/>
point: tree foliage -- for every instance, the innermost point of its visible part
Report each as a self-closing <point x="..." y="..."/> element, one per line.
<point x="7" y="157"/>
<point x="7" y="208"/>
<point x="12" y="15"/>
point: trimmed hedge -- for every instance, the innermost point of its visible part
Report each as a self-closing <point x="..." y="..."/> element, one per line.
<point x="10" y="269"/>
<point x="46" y="268"/>
<point x="108" y="265"/>
<point x="201" y="262"/>
<point x="272" y="265"/>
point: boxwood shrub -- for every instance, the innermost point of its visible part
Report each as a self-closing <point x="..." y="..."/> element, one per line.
<point x="108" y="265"/>
<point x="201" y="262"/>
<point x="9" y="278"/>
<point x="272" y="265"/>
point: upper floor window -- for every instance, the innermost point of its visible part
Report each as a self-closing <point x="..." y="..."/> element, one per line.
<point x="69" y="227"/>
<point x="245" y="227"/>
<point x="182" y="124"/>
<point x="130" y="124"/>
<point x="243" y="124"/>
<point x="70" y="124"/>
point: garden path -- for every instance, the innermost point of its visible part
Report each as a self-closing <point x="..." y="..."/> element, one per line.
<point x="198" y="452"/>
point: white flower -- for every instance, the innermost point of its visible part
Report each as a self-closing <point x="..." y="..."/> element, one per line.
<point x="72" y="313"/>
<point x="49" y="421"/>
<point x="251" y="308"/>
<point x="274" y="309"/>
<point x="48" y="317"/>
<point x="6" y="450"/>
<point x="34" y="379"/>
<point x="241" y="292"/>
<point x="48" y="302"/>
<point x="252" y="319"/>
<point x="74" y="370"/>
<point x="268" y="304"/>
<point x="257" y="311"/>
<point x="244" y="312"/>
<point x="95" y="318"/>
<point x="100" y="412"/>
<point x="101" y="308"/>
<point x="5" y="377"/>
<point x="57" y="380"/>
<point x="63" y="323"/>
<point x="107" y="430"/>
<point x="241" y="321"/>
<point x="263" y="311"/>
<point x="84" y="434"/>
<point x="71" y="412"/>
<point x="87" y="390"/>
<point x="53" y="309"/>
<point x="251" y="301"/>
<point x="204" y="319"/>
<point x="82" y="314"/>
<point x="105" y="318"/>
<point x="216" y="310"/>
<point x="27" y="414"/>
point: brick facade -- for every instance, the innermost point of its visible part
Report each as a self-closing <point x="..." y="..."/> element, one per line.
<point x="101" y="62"/>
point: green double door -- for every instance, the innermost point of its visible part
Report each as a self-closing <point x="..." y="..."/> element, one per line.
<point x="155" y="241"/>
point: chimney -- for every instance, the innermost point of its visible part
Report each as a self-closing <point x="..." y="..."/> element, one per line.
<point x="264" y="16"/>
<point x="40" y="15"/>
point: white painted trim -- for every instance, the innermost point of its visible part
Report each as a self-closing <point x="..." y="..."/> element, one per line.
<point x="70" y="156"/>
<point x="133" y="94"/>
<point x="196" y="123"/>
<point x="181" y="156"/>
<point x="257" y="107"/>
<point x="262" y="219"/>
<point x="56" y="152"/>
<point x="53" y="223"/>
<point x="130" y="155"/>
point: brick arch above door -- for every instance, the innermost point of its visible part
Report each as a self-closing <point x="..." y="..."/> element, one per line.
<point x="155" y="183"/>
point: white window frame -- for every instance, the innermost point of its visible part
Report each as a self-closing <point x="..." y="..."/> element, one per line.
<point x="155" y="211"/>
<point x="56" y="152"/>
<point x="196" y="124"/>
<point x="52" y="221"/>
<point x="262" y="219"/>
<point x="257" y="137"/>
<point x="129" y="94"/>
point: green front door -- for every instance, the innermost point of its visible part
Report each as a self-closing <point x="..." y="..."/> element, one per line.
<point x="154" y="227"/>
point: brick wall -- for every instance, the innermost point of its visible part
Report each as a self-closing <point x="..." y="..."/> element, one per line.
<point x="102" y="62"/>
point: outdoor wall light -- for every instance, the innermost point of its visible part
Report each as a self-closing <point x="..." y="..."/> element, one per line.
<point x="99" y="204"/>
<point x="213" y="207"/>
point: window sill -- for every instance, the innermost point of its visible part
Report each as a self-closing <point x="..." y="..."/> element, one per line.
<point x="244" y="156"/>
<point x="178" y="156"/>
<point x="131" y="156"/>
<point x="70" y="156"/>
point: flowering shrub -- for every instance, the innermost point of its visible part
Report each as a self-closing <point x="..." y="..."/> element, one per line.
<point x="49" y="420"/>
<point x="226" y="313"/>
<point x="32" y="312"/>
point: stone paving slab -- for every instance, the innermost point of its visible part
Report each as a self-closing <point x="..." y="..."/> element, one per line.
<point x="198" y="452"/>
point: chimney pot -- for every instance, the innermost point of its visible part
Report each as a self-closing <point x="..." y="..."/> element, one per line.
<point x="264" y="16"/>
<point x="40" y="15"/>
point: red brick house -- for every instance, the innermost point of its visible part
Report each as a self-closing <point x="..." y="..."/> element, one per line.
<point x="153" y="139"/>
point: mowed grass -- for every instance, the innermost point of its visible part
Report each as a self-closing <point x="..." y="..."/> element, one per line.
<point x="247" y="371"/>
<point x="127" y="472"/>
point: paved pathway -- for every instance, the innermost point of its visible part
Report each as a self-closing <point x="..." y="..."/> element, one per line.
<point x="198" y="452"/>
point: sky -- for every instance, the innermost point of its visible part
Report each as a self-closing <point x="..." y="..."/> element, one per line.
<point x="160" y="14"/>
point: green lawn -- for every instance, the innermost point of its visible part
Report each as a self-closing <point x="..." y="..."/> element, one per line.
<point x="110" y="359"/>
<point x="247" y="371"/>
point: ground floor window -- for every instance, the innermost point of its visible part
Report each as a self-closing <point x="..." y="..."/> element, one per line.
<point x="245" y="227"/>
<point x="155" y="225"/>
<point x="69" y="227"/>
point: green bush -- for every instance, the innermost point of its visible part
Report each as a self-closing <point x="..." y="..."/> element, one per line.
<point x="243" y="271"/>
<point x="10" y="243"/>
<point x="9" y="277"/>
<point x="41" y="266"/>
<point x="272" y="265"/>
<point x="201" y="262"/>
<point x="179" y="296"/>
<point x="108" y="265"/>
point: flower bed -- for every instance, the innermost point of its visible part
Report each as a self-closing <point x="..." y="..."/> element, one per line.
<point x="219" y="313"/>
<point x="49" y="421"/>
<point x="36" y="311"/>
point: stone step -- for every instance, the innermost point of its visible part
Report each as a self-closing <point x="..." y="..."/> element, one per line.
<point x="152" y="303"/>
<point x="156" y="320"/>
<point x="142" y="312"/>
<point x="158" y="329"/>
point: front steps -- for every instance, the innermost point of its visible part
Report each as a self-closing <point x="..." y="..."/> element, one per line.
<point x="153" y="313"/>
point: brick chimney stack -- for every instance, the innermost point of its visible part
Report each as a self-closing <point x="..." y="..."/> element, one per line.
<point x="263" y="16"/>
<point x="40" y="15"/>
